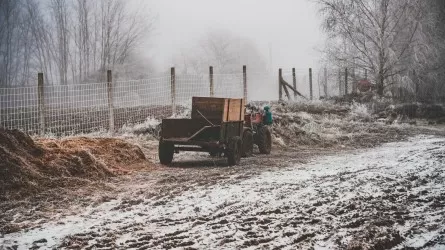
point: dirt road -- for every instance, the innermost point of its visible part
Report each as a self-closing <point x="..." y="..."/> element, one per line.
<point x="392" y="196"/>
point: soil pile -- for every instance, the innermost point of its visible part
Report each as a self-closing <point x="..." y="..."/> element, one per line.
<point x="29" y="166"/>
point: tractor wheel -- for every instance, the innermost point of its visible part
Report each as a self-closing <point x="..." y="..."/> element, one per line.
<point x="247" y="144"/>
<point x="234" y="149"/>
<point x="166" y="151"/>
<point x="264" y="140"/>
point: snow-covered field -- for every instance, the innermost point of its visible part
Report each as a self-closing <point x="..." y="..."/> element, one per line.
<point x="392" y="196"/>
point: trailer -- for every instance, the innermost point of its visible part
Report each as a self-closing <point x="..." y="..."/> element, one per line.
<point x="216" y="126"/>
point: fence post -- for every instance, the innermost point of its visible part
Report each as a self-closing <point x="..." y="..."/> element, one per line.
<point x="318" y="83"/>
<point x="310" y="83"/>
<point x="245" y="83"/>
<point x="173" y="90"/>
<point x="416" y="81"/>
<point x="212" y="91"/>
<point x="110" y="101"/>
<point x="294" y="81"/>
<point x="340" y="92"/>
<point x="346" y="81"/>
<point x="41" y="103"/>
<point x="280" y="90"/>
<point x="325" y="86"/>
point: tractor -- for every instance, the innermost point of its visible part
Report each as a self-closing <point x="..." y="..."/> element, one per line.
<point x="255" y="132"/>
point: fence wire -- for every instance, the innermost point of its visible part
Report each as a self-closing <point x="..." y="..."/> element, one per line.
<point x="19" y="109"/>
<point x="326" y="83"/>
<point x="86" y="108"/>
<point x="91" y="107"/>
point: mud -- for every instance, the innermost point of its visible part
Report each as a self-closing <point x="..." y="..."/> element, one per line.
<point x="330" y="182"/>
<point x="389" y="197"/>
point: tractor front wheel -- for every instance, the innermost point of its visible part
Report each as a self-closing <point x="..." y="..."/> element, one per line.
<point x="166" y="151"/>
<point x="233" y="150"/>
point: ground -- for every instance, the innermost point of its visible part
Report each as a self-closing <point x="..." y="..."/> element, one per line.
<point x="379" y="189"/>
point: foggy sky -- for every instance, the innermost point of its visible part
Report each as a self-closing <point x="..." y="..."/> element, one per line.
<point x="292" y="27"/>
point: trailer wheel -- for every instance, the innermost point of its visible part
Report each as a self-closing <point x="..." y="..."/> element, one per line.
<point x="264" y="140"/>
<point x="247" y="144"/>
<point x="166" y="151"/>
<point x="234" y="148"/>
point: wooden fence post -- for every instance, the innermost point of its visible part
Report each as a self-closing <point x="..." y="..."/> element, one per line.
<point x="416" y="82"/>
<point x="340" y="92"/>
<point x="173" y="90"/>
<point x="41" y="103"/>
<point x="280" y="89"/>
<point x="212" y="91"/>
<point x="325" y="85"/>
<point x="318" y="84"/>
<point x="294" y="81"/>
<point x="310" y="83"/>
<point x="346" y="81"/>
<point x="245" y="83"/>
<point x="110" y="101"/>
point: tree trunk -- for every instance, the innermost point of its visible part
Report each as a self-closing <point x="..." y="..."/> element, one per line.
<point x="380" y="85"/>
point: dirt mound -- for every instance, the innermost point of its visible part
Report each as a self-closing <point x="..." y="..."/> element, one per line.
<point x="29" y="166"/>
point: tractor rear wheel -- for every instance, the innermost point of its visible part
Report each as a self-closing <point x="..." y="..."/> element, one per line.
<point x="166" y="151"/>
<point x="247" y="144"/>
<point x="264" y="140"/>
<point x="234" y="148"/>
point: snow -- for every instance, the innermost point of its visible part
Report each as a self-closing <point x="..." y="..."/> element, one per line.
<point x="150" y="125"/>
<point x="295" y="194"/>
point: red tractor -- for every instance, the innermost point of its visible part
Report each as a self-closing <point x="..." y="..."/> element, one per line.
<point x="256" y="132"/>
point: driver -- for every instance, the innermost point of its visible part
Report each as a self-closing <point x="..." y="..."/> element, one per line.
<point x="267" y="119"/>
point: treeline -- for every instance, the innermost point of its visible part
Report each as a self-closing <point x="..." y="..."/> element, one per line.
<point x="399" y="43"/>
<point x="70" y="41"/>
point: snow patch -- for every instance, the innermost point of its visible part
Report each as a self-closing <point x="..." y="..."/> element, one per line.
<point x="303" y="200"/>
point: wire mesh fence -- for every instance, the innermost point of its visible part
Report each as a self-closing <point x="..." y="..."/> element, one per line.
<point x="109" y="106"/>
<point x="85" y="108"/>
<point x="323" y="83"/>
<point x="19" y="108"/>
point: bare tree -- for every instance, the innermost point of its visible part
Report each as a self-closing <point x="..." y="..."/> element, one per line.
<point x="61" y="36"/>
<point x="59" y="13"/>
<point x="42" y="54"/>
<point x="377" y="35"/>
<point x="223" y="50"/>
<point x="121" y="31"/>
<point x="428" y="58"/>
<point x="10" y="40"/>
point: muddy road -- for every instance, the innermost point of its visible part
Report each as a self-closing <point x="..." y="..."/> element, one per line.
<point x="388" y="197"/>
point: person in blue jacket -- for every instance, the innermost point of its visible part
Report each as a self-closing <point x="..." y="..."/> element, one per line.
<point x="268" y="120"/>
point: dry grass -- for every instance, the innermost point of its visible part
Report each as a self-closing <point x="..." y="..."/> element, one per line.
<point x="323" y="124"/>
<point x="28" y="166"/>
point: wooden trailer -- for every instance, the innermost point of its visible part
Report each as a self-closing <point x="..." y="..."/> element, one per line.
<point x="216" y="126"/>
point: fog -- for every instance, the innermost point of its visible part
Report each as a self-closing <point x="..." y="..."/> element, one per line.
<point x="287" y="32"/>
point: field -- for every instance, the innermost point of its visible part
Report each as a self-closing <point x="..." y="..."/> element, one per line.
<point x="338" y="178"/>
